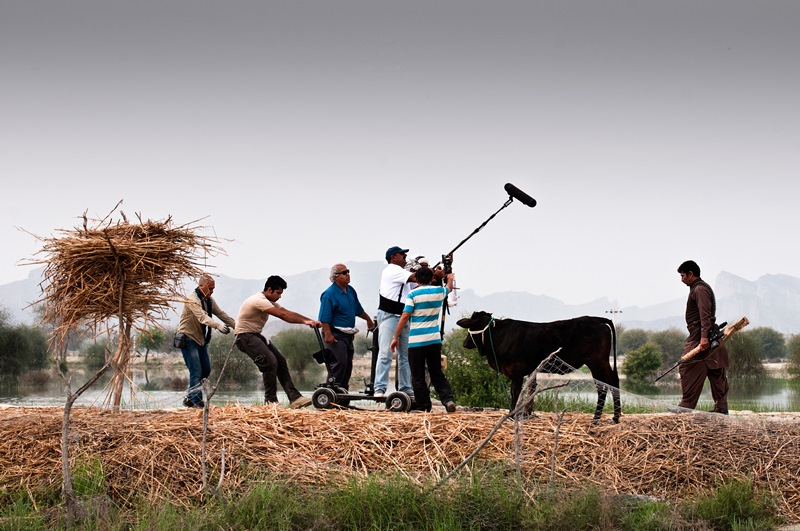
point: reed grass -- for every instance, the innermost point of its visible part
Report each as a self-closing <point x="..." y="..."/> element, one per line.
<point x="487" y="498"/>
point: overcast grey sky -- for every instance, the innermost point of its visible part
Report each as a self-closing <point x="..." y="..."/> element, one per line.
<point x="314" y="132"/>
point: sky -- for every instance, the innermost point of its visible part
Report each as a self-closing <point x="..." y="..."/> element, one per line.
<point x="309" y="132"/>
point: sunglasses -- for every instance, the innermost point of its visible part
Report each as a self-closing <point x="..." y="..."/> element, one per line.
<point x="345" y="272"/>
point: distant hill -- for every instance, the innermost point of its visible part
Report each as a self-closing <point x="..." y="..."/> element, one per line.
<point x="772" y="300"/>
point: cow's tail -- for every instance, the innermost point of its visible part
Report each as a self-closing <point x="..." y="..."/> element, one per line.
<point x="613" y="329"/>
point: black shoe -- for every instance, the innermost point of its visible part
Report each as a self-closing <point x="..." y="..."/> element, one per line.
<point x="720" y="410"/>
<point x="189" y="403"/>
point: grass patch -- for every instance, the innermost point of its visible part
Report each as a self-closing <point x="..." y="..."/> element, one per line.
<point x="485" y="499"/>
<point x="735" y="506"/>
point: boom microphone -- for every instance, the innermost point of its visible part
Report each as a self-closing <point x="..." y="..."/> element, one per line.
<point x="519" y="195"/>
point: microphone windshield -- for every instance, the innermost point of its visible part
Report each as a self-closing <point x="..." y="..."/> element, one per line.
<point x="519" y="195"/>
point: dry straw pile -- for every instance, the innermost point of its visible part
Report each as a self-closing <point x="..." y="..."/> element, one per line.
<point x="157" y="454"/>
<point x="106" y="269"/>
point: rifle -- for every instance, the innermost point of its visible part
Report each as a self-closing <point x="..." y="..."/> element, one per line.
<point x="713" y="344"/>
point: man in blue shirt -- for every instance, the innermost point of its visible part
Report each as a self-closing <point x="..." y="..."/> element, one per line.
<point x="339" y="307"/>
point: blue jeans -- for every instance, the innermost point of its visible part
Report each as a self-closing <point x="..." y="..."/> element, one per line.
<point x="196" y="358"/>
<point x="387" y="324"/>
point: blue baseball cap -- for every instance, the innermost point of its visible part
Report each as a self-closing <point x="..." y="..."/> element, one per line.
<point x="394" y="250"/>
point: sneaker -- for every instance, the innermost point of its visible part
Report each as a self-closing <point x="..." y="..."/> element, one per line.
<point x="379" y="394"/>
<point x="297" y="403"/>
<point x="450" y="406"/>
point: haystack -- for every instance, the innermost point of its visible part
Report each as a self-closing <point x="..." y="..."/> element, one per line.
<point x="156" y="454"/>
<point x="117" y="275"/>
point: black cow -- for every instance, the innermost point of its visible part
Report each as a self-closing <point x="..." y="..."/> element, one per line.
<point x="516" y="348"/>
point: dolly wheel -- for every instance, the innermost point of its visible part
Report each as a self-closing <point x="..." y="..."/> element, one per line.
<point x="323" y="398"/>
<point x="398" y="401"/>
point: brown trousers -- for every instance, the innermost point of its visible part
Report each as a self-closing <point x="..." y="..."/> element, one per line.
<point x="693" y="377"/>
<point x="271" y="363"/>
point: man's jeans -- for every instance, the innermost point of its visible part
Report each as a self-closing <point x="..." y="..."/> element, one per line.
<point x="387" y="324"/>
<point x="196" y="358"/>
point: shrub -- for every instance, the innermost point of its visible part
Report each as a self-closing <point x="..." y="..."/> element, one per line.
<point x="745" y="357"/>
<point x="96" y="353"/>
<point x="640" y="364"/>
<point x="473" y="381"/>
<point x="671" y="343"/>
<point x="736" y="505"/>
<point x="239" y="368"/>
<point x="631" y="339"/>
<point x="297" y="345"/>
<point x="793" y="348"/>
<point x="22" y="348"/>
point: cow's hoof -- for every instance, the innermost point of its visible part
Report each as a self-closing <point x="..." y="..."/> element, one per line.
<point x="616" y="420"/>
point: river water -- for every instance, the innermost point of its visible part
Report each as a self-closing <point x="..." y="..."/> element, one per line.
<point x="164" y="388"/>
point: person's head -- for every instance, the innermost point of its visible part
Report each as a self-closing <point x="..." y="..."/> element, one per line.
<point x="340" y="274"/>
<point x="689" y="271"/>
<point x="273" y="288"/>
<point x="396" y="255"/>
<point x="424" y="275"/>
<point x="206" y="284"/>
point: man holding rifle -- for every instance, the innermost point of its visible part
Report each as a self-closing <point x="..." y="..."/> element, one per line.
<point x="701" y="309"/>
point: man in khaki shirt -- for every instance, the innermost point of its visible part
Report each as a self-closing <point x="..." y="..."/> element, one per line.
<point x="194" y="334"/>
<point x="252" y="318"/>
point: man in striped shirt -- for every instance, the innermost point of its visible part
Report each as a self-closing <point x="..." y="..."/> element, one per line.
<point x="422" y="310"/>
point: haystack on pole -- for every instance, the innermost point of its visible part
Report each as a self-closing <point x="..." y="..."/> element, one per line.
<point x="119" y="276"/>
<point x="122" y="271"/>
<point x="121" y="358"/>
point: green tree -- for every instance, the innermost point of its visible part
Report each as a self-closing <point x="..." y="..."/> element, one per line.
<point x="473" y="381"/>
<point x="631" y="340"/>
<point x="773" y="343"/>
<point x="793" y="351"/>
<point x="239" y="368"/>
<point x="23" y="348"/>
<point x="153" y="339"/>
<point x="641" y="364"/>
<point x="97" y="352"/>
<point x="297" y="344"/>
<point x="671" y="344"/>
<point x="744" y="352"/>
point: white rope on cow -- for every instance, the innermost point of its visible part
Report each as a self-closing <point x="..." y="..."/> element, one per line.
<point x="481" y="332"/>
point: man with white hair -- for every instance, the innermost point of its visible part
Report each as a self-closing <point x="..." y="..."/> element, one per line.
<point x="339" y="307"/>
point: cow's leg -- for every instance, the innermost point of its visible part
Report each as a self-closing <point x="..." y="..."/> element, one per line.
<point x="602" y="390"/>
<point x="615" y="396"/>
<point x="531" y="391"/>
<point x="516" y="389"/>
<point x="605" y="377"/>
<point x="617" y="404"/>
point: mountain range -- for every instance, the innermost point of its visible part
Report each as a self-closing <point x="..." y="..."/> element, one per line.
<point x="772" y="301"/>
